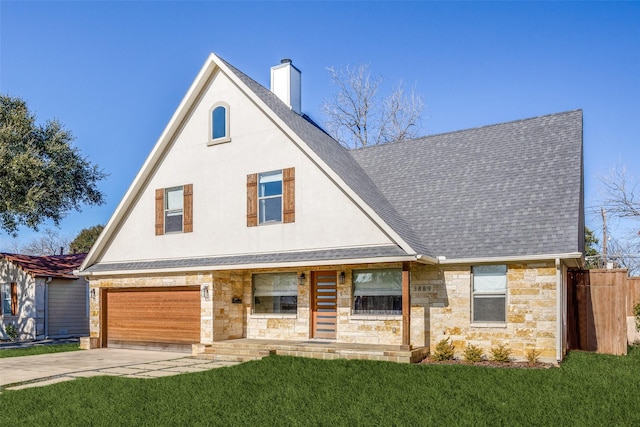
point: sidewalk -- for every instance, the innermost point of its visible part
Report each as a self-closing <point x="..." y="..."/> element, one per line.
<point x="31" y="371"/>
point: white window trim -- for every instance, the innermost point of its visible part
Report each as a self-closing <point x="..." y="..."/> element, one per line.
<point x="166" y="210"/>
<point x="486" y="323"/>
<point x="369" y="316"/>
<point x="2" y="294"/>
<point x="272" y="315"/>
<point x="222" y="139"/>
<point x="260" y="222"/>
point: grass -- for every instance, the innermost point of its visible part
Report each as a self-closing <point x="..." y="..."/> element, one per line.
<point x="588" y="389"/>
<point x="40" y="349"/>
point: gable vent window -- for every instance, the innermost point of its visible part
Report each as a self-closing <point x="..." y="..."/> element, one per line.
<point x="174" y="210"/>
<point x="271" y="197"/>
<point x="219" y="124"/>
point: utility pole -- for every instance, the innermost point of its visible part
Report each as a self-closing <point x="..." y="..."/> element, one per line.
<point x="604" y="236"/>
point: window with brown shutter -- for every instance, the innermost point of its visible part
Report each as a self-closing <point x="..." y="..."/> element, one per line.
<point x="252" y="200"/>
<point x="289" y="194"/>
<point x="271" y="197"/>
<point x="174" y="210"/>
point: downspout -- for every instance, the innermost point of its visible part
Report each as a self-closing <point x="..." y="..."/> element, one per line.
<point x="46" y="306"/>
<point x="559" y="302"/>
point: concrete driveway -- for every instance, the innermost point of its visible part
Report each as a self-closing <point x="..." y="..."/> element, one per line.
<point x="44" y="369"/>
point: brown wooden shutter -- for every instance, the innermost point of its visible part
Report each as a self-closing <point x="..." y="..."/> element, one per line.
<point x="252" y="200"/>
<point x="159" y="211"/>
<point x="14" y="299"/>
<point x="188" y="208"/>
<point x="289" y="194"/>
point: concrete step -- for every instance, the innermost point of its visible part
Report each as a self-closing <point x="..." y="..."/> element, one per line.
<point x="233" y="353"/>
<point x="227" y="357"/>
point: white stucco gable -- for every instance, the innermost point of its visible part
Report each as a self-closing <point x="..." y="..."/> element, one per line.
<point x="328" y="215"/>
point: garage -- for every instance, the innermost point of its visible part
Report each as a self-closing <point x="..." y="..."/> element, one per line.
<point x="158" y="318"/>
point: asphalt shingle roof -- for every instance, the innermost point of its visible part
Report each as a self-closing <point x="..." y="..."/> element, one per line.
<point x="502" y="190"/>
<point x="269" y="258"/>
<point x="511" y="189"/>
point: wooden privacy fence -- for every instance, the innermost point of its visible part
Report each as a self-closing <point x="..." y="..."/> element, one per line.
<point x="599" y="302"/>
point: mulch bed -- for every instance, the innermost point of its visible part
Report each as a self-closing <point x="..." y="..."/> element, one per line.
<point x="490" y="364"/>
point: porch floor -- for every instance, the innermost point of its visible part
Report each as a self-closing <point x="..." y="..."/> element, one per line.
<point x="251" y="349"/>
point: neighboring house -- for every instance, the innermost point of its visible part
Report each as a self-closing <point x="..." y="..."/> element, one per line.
<point x="247" y="220"/>
<point x="42" y="297"/>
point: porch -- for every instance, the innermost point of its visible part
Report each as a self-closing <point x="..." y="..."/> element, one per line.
<point x="245" y="349"/>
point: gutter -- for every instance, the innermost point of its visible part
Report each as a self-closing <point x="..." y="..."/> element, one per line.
<point x="577" y="256"/>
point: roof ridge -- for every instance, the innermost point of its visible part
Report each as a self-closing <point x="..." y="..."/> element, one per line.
<point x="469" y="129"/>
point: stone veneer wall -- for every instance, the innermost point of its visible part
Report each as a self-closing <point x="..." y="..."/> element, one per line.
<point x="359" y="329"/>
<point x="153" y="281"/>
<point x="531" y="311"/>
<point x="440" y="308"/>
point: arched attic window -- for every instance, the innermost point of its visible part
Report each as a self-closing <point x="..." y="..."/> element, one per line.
<point x="219" y="123"/>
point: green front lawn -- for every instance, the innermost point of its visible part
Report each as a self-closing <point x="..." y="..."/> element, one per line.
<point x="40" y="349"/>
<point x="588" y="389"/>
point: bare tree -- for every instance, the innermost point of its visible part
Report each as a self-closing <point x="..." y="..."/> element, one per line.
<point x="620" y="198"/>
<point x="625" y="254"/>
<point x="621" y="193"/>
<point x="50" y="242"/>
<point x="356" y="117"/>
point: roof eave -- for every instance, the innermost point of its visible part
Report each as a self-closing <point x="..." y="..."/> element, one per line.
<point x="573" y="259"/>
<point x="213" y="267"/>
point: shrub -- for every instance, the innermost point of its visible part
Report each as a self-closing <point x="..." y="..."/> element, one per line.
<point x="532" y="356"/>
<point x="444" y="350"/>
<point x="500" y="353"/>
<point x="11" y="331"/>
<point x="472" y="353"/>
<point x="636" y="313"/>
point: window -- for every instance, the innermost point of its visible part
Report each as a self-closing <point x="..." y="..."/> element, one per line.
<point x="9" y="295"/>
<point x="219" y="123"/>
<point x="275" y="293"/>
<point x="489" y="293"/>
<point x="174" y="209"/>
<point x="270" y="197"/>
<point x="377" y="291"/>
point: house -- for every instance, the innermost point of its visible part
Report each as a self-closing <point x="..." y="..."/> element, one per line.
<point x="248" y="221"/>
<point x="41" y="297"/>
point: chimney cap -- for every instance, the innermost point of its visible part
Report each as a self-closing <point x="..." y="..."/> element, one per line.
<point x="285" y="61"/>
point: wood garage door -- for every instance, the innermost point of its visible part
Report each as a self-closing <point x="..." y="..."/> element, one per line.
<point x="153" y="317"/>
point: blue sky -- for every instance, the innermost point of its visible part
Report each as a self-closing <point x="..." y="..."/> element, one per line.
<point x="114" y="72"/>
